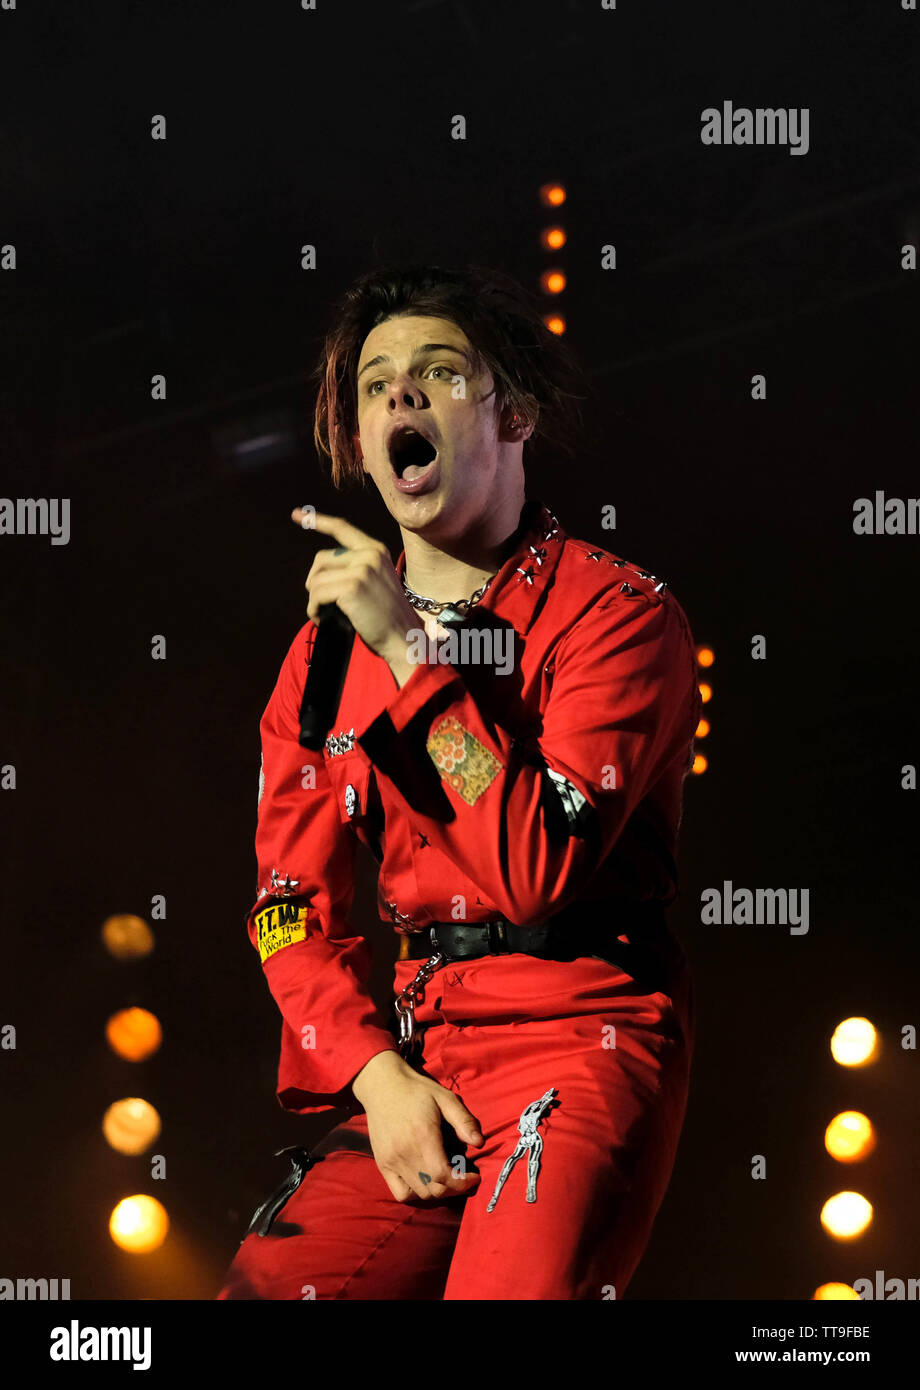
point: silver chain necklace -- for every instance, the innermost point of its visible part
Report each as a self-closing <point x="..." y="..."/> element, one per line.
<point x="456" y="610"/>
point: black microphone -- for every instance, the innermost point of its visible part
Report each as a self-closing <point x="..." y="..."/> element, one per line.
<point x="335" y="637"/>
<point x="322" y="691"/>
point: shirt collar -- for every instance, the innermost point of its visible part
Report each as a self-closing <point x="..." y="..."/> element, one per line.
<point x="516" y="589"/>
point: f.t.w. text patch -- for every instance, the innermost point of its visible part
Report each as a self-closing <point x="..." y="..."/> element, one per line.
<point x="280" y="925"/>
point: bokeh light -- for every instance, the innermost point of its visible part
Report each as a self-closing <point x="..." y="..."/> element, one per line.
<point x="552" y="195"/>
<point x="127" y="937"/>
<point x="841" y="1292"/>
<point x="552" y="238"/>
<point x="134" y="1034"/>
<point x="139" y="1224"/>
<point x="854" y="1043"/>
<point x="846" y="1215"/>
<point x="131" y="1125"/>
<point x="849" y="1137"/>
<point x="552" y="282"/>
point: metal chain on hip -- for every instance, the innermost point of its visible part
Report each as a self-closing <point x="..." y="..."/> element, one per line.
<point x="406" y="1000"/>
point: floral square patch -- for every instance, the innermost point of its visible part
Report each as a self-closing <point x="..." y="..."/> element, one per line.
<point x="465" y="764"/>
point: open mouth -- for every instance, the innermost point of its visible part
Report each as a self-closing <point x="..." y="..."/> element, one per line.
<point x="410" y="453"/>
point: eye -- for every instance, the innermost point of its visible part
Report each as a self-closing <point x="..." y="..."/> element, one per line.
<point x="380" y="382"/>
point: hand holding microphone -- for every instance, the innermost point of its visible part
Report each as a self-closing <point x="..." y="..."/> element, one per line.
<point x="353" y="588"/>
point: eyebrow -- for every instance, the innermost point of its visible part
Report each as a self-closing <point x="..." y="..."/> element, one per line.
<point x="418" y="352"/>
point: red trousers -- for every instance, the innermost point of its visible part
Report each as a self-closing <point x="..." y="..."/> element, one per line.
<point x="580" y="1069"/>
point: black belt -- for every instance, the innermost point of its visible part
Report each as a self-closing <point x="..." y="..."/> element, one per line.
<point x="582" y="929"/>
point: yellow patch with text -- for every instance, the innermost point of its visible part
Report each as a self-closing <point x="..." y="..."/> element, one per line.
<point x="280" y="925"/>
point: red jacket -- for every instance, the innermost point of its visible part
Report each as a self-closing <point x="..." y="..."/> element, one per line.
<point x="483" y="792"/>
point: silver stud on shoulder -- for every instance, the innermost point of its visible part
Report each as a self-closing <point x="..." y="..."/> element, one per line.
<point x="283" y="888"/>
<point x="342" y="742"/>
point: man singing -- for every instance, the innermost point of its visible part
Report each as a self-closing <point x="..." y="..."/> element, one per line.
<point x="511" y="744"/>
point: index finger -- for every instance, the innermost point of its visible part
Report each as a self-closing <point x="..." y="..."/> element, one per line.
<point x="309" y="519"/>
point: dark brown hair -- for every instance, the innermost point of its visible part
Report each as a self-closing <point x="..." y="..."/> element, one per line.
<point x="534" y="372"/>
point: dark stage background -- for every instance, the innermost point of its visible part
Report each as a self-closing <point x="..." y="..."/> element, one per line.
<point x="138" y="777"/>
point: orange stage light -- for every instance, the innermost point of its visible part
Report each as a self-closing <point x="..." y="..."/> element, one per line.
<point x="139" y="1224"/>
<point x="131" y="1125"/>
<point x="841" y="1292"/>
<point x="552" y="282"/>
<point x="127" y="937"/>
<point x="854" y="1043"/>
<point x="552" y="195"/>
<point x="552" y="238"/>
<point x="846" y="1215"/>
<point x="849" y="1137"/>
<point x="134" y="1034"/>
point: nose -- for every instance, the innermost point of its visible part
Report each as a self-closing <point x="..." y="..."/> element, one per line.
<point x="405" y="391"/>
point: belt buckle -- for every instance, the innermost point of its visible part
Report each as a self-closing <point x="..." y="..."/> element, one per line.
<point x="436" y="945"/>
<point x="498" y="938"/>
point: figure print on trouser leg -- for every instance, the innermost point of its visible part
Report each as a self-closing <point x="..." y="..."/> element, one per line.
<point x="531" y="1143"/>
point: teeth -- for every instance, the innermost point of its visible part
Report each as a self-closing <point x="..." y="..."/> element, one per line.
<point x="403" y="432"/>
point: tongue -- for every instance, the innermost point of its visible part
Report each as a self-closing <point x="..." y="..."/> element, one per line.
<point x="415" y="470"/>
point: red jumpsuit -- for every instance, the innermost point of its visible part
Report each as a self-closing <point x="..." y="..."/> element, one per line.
<point x="576" y="1071"/>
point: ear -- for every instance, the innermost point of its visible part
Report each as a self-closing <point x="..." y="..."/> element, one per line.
<point x="514" y="430"/>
